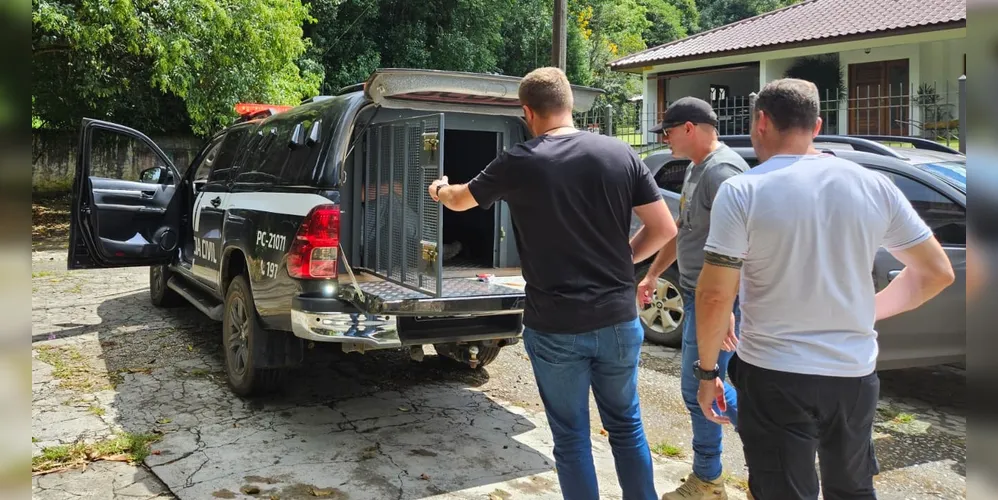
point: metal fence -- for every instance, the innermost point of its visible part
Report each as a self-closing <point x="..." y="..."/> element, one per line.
<point x="930" y="111"/>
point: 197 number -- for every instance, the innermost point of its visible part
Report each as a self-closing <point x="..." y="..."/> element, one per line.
<point x="269" y="269"/>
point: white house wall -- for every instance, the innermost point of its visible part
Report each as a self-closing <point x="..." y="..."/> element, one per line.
<point x="935" y="56"/>
<point x="911" y="52"/>
<point x="942" y="65"/>
<point x="649" y="107"/>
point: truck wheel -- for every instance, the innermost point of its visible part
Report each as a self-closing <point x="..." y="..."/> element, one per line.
<point x="242" y="332"/>
<point x="159" y="294"/>
<point x="663" y="319"/>
<point x="459" y="354"/>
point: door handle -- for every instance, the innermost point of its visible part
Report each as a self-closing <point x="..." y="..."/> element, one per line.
<point x="216" y="201"/>
<point x="893" y="274"/>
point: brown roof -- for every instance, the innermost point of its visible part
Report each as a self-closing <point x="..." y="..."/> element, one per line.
<point x="807" y="22"/>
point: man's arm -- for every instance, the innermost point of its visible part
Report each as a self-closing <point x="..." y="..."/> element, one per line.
<point x="657" y="229"/>
<point x="717" y="288"/>
<point x="455" y="197"/>
<point x="663" y="260"/>
<point x="927" y="271"/>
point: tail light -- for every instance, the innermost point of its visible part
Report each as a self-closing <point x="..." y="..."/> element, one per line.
<point x="315" y="249"/>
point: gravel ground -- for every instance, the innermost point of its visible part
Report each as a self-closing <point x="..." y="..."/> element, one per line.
<point x="370" y="426"/>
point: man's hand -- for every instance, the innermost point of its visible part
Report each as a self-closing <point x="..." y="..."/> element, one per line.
<point x="712" y="391"/>
<point x="433" y="187"/>
<point x="731" y="341"/>
<point x="646" y="290"/>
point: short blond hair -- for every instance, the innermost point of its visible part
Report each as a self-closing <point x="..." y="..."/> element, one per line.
<point x="546" y="91"/>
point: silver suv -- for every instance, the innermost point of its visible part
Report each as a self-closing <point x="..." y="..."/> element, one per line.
<point x="932" y="176"/>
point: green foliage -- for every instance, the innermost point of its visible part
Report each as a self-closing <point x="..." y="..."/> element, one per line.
<point x="181" y="65"/>
<point x="166" y="65"/>
<point x="670" y="20"/>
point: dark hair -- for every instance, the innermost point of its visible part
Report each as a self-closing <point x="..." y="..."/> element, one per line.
<point x="790" y="103"/>
<point x="546" y="91"/>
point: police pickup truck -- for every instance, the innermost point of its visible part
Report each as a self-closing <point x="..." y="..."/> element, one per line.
<point x="313" y="223"/>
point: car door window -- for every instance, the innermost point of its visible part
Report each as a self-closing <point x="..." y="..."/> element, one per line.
<point x="947" y="219"/>
<point x="207" y="162"/>
<point x="227" y="152"/>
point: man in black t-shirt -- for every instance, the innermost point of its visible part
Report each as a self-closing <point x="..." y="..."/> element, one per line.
<point x="571" y="195"/>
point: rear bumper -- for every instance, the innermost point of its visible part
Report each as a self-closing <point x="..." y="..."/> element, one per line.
<point x="332" y="320"/>
<point x="321" y="319"/>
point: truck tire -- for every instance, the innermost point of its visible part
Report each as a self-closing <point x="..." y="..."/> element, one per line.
<point x="159" y="294"/>
<point x="664" y="326"/>
<point x="241" y="332"/>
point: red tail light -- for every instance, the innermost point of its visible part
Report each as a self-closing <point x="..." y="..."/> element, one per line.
<point x="315" y="249"/>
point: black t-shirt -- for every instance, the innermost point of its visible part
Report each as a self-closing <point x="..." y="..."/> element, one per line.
<point x="571" y="198"/>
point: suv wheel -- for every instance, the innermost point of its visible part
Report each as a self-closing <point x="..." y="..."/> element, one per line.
<point x="160" y="294"/>
<point x="663" y="319"/>
<point x="242" y="332"/>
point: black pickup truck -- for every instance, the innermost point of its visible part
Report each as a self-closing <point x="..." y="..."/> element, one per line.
<point x="313" y="223"/>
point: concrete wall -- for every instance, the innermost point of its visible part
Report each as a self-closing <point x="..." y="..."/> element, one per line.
<point x="54" y="156"/>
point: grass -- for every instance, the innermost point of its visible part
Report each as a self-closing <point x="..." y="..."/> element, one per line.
<point x="889" y="412"/>
<point x="904" y="418"/>
<point x="96" y="410"/>
<point x="72" y="369"/>
<point x="667" y="450"/>
<point x="737" y="482"/>
<point x="125" y="447"/>
<point x="42" y="274"/>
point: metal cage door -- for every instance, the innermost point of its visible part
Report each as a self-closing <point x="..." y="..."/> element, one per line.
<point x="402" y="233"/>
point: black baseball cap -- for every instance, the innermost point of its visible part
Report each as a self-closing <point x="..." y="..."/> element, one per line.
<point x="686" y="109"/>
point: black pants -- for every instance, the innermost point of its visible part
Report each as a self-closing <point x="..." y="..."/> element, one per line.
<point x="784" y="418"/>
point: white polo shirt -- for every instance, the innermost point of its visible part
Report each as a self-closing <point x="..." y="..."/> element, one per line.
<point x="808" y="229"/>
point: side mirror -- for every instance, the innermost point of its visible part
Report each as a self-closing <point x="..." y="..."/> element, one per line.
<point x="156" y="175"/>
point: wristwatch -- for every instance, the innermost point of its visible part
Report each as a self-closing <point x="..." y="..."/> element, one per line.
<point x="702" y="374"/>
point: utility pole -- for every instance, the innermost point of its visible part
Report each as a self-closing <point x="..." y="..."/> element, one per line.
<point x="560" y="35"/>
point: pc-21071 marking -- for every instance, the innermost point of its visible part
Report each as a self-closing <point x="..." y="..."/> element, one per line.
<point x="271" y="241"/>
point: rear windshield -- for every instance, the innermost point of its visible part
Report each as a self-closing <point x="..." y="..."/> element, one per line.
<point x="952" y="171"/>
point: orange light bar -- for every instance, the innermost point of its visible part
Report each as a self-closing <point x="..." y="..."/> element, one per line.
<point x="248" y="108"/>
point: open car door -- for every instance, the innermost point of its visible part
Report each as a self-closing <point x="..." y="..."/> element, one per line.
<point x="125" y="211"/>
<point x="454" y="91"/>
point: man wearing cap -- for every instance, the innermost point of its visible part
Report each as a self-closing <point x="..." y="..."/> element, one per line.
<point x="690" y="128"/>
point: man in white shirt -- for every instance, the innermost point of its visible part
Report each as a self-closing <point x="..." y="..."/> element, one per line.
<point x="799" y="233"/>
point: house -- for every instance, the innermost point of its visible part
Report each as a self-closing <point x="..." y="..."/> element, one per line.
<point x="900" y="62"/>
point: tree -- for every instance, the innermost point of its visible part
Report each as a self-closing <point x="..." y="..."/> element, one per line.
<point x="354" y="37"/>
<point x="610" y="29"/>
<point x="161" y="65"/>
<point x="669" y="20"/>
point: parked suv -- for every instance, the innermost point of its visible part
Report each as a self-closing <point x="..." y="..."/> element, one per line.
<point x="934" y="179"/>
<point x="313" y="223"/>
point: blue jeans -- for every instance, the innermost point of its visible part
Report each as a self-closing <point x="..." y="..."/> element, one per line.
<point x="565" y="367"/>
<point x="706" y="434"/>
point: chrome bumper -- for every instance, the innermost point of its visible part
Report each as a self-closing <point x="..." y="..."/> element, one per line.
<point x="367" y="330"/>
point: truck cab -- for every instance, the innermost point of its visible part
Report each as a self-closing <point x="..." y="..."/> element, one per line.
<point x="313" y="223"/>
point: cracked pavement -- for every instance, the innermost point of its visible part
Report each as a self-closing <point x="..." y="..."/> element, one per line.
<point x="376" y="426"/>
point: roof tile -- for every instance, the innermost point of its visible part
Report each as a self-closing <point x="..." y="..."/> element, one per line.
<point x="805" y="21"/>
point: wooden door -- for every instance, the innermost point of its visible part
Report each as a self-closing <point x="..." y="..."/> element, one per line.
<point x="879" y="95"/>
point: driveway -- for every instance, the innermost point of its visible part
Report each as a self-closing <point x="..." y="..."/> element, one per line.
<point x="108" y="367"/>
